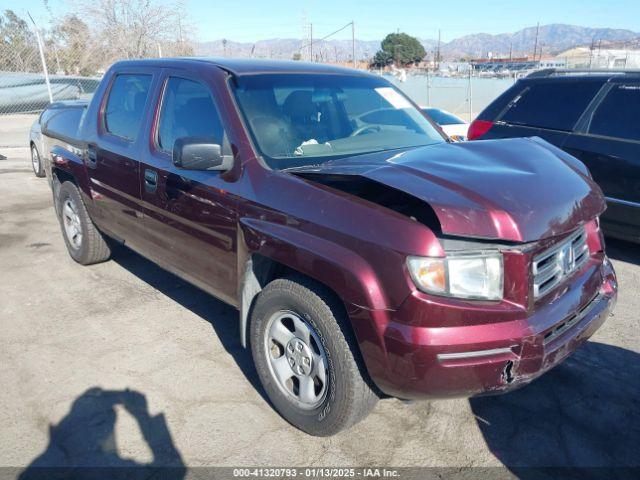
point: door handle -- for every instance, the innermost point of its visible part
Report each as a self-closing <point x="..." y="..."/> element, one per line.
<point x="92" y="156"/>
<point x="150" y="180"/>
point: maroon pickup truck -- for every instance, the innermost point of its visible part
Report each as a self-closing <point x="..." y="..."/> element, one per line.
<point x="366" y="254"/>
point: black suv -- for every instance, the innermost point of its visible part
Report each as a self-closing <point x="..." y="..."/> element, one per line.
<point x="594" y="116"/>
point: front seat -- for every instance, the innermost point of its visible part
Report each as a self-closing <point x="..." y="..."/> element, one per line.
<point x="275" y="136"/>
<point x="303" y="115"/>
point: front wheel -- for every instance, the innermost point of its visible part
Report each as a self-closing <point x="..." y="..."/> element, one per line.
<point x="85" y="243"/>
<point x="307" y="359"/>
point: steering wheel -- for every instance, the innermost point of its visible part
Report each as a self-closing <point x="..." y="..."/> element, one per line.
<point x="365" y="128"/>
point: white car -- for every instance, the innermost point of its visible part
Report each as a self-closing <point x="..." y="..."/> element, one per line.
<point x="453" y="126"/>
<point x="36" y="145"/>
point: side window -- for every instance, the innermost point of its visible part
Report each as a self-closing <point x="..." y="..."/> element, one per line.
<point x="65" y="123"/>
<point x="188" y="111"/>
<point x="556" y="106"/>
<point x="617" y="114"/>
<point x="125" y="105"/>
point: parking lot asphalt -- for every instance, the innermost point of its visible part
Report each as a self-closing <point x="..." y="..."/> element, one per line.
<point x="122" y="362"/>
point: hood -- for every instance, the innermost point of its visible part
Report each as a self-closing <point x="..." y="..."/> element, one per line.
<point x="520" y="190"/>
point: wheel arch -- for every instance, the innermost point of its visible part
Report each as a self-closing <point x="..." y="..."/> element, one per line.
<point x="67" y="166"/>
<point x="267" y="251"/>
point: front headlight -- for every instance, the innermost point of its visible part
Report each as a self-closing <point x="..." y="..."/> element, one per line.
<point x="469" y="275"/>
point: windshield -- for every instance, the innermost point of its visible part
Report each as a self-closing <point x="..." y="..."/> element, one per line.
<point x="443" y="118"/>
<point x="307" y="119"/>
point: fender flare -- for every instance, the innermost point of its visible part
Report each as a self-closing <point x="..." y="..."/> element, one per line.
<point x="335" y="266"/>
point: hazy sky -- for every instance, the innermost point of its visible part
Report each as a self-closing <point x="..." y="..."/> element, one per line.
<point x="250" y="20"/>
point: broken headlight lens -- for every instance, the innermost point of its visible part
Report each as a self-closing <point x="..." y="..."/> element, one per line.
<point x="470" y="275"/>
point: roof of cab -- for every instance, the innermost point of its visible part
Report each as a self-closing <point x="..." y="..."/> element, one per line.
<point x="248" y="66"/>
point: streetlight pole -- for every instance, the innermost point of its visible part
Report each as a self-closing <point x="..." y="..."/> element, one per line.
<point x="42" y="59"/>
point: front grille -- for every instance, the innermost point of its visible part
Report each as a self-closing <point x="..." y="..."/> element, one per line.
<point x="571" y="321"/>
<point x="552" y="266"/>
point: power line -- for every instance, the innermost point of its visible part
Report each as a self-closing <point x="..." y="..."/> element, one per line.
<point x="310" y="44"/>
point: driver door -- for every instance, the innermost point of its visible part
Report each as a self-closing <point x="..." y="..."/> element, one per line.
<point x="190" y="218"/>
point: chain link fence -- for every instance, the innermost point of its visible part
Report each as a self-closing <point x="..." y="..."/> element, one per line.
<point x="462" y="95"/>
<point x="30" y="92"/>
<point x="35" y="71"/>
<point x="66" y="60"/>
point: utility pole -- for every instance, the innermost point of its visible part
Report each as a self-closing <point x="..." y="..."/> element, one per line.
<point x="353" y="43"/>
<point x="470" y="97"/>
<point x="438" y="54"/>
<point x="535" y="45"/>
<point x="428" y="88"/>
<point x="311" y="42"/>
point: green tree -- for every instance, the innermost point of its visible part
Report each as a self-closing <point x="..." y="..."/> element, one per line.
<point x="400" y="48"/>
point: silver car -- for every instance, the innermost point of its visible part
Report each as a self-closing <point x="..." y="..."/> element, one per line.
<point x="58" y="117"/>
<point x="36" y="144"/>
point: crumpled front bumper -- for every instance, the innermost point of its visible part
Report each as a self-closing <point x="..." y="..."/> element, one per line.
<point x="487" y="358"/>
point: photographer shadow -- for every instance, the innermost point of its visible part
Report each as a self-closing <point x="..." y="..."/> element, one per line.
<point x="581" y="415"/>
<point x="83" y="445"/>
<point x="222" y="317"/>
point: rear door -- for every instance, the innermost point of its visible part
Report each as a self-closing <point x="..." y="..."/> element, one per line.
<point x="190" y="216"/>
<point x="608" y="142"/>
<point x="548" y="108"/>
<point x="113" y="159"/>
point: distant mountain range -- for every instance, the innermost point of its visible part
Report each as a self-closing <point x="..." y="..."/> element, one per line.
<point x="552" y="39"/>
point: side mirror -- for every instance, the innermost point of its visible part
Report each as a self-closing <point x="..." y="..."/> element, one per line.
<point x="200" y="153"/>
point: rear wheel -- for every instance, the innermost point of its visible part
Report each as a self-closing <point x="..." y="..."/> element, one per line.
<point x="85" y="243"/>
<point x="307" y="359"/>
<point x="36" y="162"/>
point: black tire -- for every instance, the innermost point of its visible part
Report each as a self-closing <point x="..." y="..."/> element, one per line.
<point x="36" y="162"/>
<point x="91" y="247"/>
<point x="349" y="397"/>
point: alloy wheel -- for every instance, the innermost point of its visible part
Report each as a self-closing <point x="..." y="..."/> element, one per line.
<point x="71" y="222"/>
<point x="35" y="160"/>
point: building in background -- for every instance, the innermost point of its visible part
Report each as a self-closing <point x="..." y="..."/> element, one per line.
<point x="601" y="58"/>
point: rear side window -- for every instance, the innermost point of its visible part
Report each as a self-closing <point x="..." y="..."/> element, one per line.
<point x="556" y="106"/>
<point x="65" y="123"/>
<point x="187" y="111"/>
<point x="618" y="114"/>
<point x="125" y="106"/>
